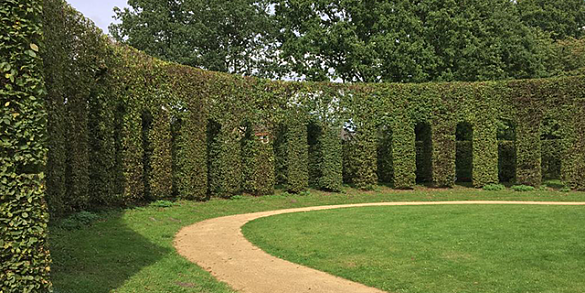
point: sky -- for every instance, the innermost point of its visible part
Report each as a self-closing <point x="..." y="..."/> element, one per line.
<point x="100" y="11"/>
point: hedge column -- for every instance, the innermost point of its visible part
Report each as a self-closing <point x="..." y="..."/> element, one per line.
<point x="264" y="172"/>
<point x="444" y="152"/>
<point x="331" y="164"/>
<point x="192" y="161"/>
<point x="131" y="152"/>
<point x="161" y="173"/>
<point x="297" y="153"/>
<point x="225" y="173"/>
<point x="485" y="152"/>
<point x="575" y="156"/>
<point x="54" y="62"/>
<point x="528" y="151"/>
<point x="103" y="169"/>
<point x="24" y="260"/>
<point x="404" y="153"/>
<point x="365" y="160"/>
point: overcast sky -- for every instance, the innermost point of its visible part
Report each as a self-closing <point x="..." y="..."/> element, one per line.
<point x="100" y="11"/>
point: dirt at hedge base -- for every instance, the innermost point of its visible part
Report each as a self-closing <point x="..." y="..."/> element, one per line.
<point x="218" y="246"/>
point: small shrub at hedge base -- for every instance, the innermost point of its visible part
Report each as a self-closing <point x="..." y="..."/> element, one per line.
<point x="163" y="204"/>
<point x="494" y="187"/>
<point x="79" y="220"/>
<point x="522" y="188"/>
<point x="238" y="197"/>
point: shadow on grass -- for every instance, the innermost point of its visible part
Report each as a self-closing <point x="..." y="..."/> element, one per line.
<point x="99" y="259"/>
<point x="466" y="184"/>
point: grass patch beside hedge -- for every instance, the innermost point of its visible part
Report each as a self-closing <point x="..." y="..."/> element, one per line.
<point x="420" y="249"/>
<point x="131" y="250"/>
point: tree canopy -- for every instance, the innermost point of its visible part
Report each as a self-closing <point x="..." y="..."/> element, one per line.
<point x="219" y="35"/>
<point x="562" y="19"/>
<point x="361" y="40"/>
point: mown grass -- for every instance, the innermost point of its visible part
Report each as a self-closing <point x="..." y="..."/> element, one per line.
<point x="422" y="249"/>
<point x="132" y="251"/>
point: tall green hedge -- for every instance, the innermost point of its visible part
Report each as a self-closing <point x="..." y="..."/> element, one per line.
<point x="191" y="145"/>
<point x="104" y="151"/>
<point x="55" y="107"/>
<point x="160" y="179"/>
<point x="258" y="162"/>
<point x="225" y="165"/>
<point x="330" y="163"/>
<point x="424" y="159"/>
<point x="297" y="152"/>
<point x="126" y="128"/>
<point x="24" y="257"/>
<point x="365" y="105"/>
<point x="404" y="153"/>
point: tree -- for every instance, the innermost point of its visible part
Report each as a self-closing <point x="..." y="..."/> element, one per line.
<point x="561" y="18"/>
<point x="569" y="57"/>
<point x="359" y="40"/>
<point x="409" y="41"/>
<point x="220" y="35"/>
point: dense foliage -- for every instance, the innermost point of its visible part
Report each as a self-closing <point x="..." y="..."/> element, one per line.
<point x="221" y="35"/>
<point x="560" y="18"/>
<point x="127" y="128"/>
<point x="24" y="258"/>
<point x="366" y="41"/>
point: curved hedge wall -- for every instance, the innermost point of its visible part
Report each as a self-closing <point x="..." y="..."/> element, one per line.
<point x="125" y="127"/>
<point x="129" y="127"/>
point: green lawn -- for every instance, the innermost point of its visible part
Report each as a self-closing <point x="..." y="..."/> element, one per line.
<point x="426" y="249"/>
<point x="131" y="250"/>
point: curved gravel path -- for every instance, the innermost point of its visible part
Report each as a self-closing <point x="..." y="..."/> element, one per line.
<point x="218" y="246"/>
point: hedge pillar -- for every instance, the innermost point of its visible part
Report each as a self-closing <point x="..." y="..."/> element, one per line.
<point x="258" y="161"/>
<point x="574" y="160"/>
<point x="103" y="167"/>
<point x="161" y="174"/>
<point x="297" y="153"/>
<point x="365" y="157"/>
<point x="264" y="172"/>
<point x="225" y="173"/>
<point x="331" y="164"/>
<point x="54" y="64"/>
<point x="78" y="151"/>
<point x="192" y="152"/>
<point x="280" y="154"/>
<point x="444" y="152"/>
<point x="24" y="258"/>
<point x="528" y="151"/>
<point x="404" y="153"/>
<point x="485" y="152"/>
<point x="131" y="152"/>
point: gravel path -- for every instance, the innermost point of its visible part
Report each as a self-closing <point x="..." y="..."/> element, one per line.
<point x="218" y="246"/>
